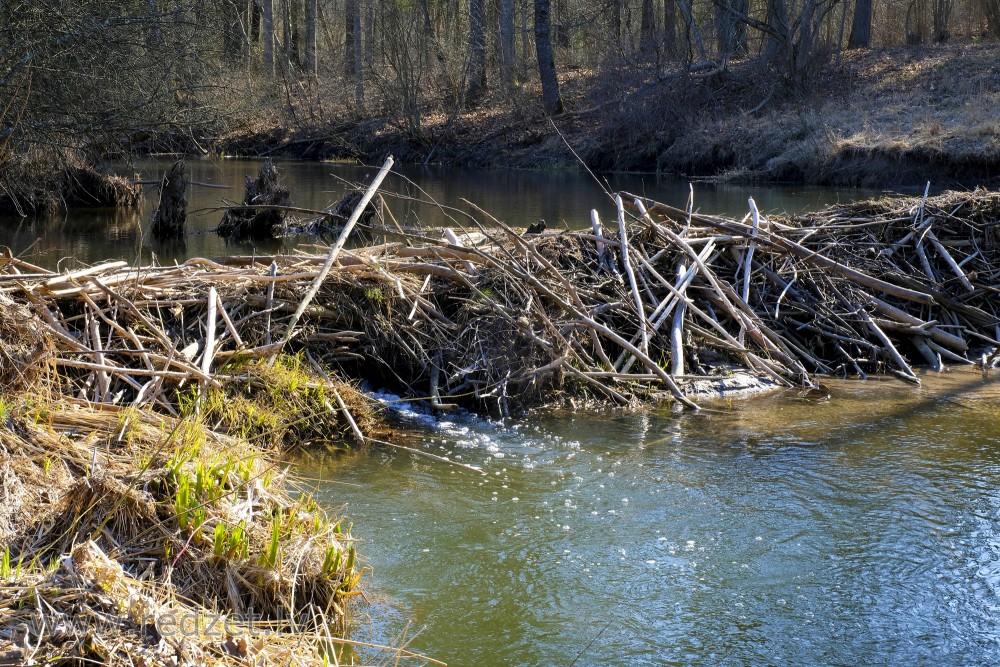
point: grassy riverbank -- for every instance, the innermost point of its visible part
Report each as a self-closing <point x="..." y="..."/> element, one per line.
<point x="133" y="537"/>
<point x="877" y="117"/>
<point x="168" y="532"/>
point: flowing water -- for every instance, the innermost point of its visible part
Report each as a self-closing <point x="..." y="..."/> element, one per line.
<point x="517" y="197"/>
<point x="772" y="531"/>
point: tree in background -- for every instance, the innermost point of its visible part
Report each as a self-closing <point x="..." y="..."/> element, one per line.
<point x="861" y="27"/>
<point x="309" y="59"/>
<point x="505" y="45"/>
<point x="104" y="74"/>
<point x="551" y="100"/>
<point x="476" y="87"/>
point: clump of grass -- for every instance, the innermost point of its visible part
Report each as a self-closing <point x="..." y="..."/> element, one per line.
<point x="281" y="404"/>
<point x="203" y="516"/>
<point x="53" y="179"/>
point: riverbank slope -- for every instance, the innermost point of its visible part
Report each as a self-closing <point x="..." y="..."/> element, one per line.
<point x="875" y="117"/>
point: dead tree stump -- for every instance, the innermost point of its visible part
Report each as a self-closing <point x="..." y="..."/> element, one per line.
<point x="257" y="223"/>
<point x="170" y="217"/>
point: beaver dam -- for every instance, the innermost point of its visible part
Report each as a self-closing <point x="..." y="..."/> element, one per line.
<point x="145" y="408"/>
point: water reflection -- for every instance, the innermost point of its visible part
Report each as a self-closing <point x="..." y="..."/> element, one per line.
<point x="415" y="195"/>
<point x="856" y="531"/>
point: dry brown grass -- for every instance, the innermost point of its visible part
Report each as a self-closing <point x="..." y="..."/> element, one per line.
<point x="899" y="116"/>
<point x="46" y="179"/>
<point x="164" y="518"/>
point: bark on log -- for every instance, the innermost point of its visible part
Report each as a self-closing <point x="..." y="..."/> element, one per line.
<point x="170" y="217"/>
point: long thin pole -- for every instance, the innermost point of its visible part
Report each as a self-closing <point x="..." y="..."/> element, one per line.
<point x="331" y="258"/>
<point x="623" y="236"/>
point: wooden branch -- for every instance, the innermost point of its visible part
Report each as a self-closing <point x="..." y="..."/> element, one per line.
<point x="803" y="253"/>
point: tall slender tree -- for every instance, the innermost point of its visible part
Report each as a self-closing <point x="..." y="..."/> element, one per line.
<point x="670" y="27"/>
<point x="505" y="17"/>
<point x="647" y="26"/>
<point x="476" y="87"/>
<point x="358" y="59"/>
<point x="295" y="32"/>
<point x="615" y="23"/>
<point x="267" y="11"/>
<point x="233" y="30"/>
<point x="777" y="49"/>
<point x="546" y="59"/>
<point x="309" y="62"/>
<point x="256" y="9"/>
<point x="351" y="12"/>
<point x="861" y="26"/>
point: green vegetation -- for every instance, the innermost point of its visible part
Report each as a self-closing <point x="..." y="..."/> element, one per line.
<point x="278" y="404"/>
<point x="205" y="494"/>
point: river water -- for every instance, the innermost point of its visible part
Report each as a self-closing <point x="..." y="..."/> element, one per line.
<point x="415" y="195"/>
<point x="858" y="530"/>
<point x="772" y="531"/>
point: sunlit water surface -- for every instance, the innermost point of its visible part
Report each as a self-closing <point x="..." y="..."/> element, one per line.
<point x="859" y="530"/>
<point x="862" y="530"/>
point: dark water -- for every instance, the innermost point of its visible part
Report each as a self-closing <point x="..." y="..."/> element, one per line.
<point x="431" y="196"/>
<point x="863" y="530"/>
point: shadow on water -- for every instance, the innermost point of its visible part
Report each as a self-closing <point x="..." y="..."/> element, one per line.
<point x="520" y="198"/>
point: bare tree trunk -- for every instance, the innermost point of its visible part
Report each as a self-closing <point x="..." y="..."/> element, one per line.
<point x="914" y="31"/>
<point x="505" y="17"/>
<point x="647" y="27"/>
<point x="295" y="32"/>
<point x="861" y="26"/>
<point x="777" y="19"/>
<point x="725" y="28"/>
<point x="256" y="9"/>
<point x="310" y="50"/>
<point x="670" y="27"/>
<point x="691" y="29"/>
<point x="546" y="59"/>
<point x="992" y="10"/>
<point x="616" y="24"/>
<point x="805" y="46"/>
<point x="286" y="32"/>
<point x="233" y="33"/>
<point x="840" y="31"/>
<point x="358" y="60"/>
<point x="941" y="15"/>
<point x="267" y="8"/>
<point x="560" y="30"/>
<point x="740" y="33"/>
<point x="369" y="31"/>
<point x="477" y="53"/>
<point x="351" y="10"/>
<point x="730" y="30"/>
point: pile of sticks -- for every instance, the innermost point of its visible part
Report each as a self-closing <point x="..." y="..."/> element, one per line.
<point x="874" y="285"/>
<point x="645" y="306"/>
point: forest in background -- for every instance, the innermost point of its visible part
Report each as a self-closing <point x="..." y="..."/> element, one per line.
<point x="676" y="85"/>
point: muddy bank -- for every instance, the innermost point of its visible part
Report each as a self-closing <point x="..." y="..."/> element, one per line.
<point x="882" y="117"/>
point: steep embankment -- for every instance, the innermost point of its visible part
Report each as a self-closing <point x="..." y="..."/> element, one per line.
<point x="890" y="116"/>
